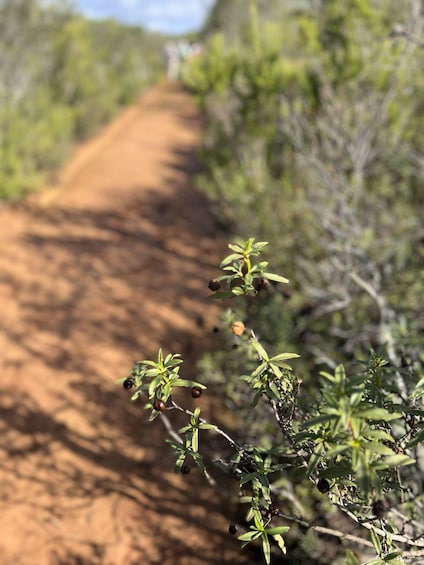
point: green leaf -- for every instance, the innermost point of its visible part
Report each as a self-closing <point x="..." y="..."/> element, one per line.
<point x="136" y="395"/>
<point x="247" y="478"/>
<point x="259" y="245"/>
<point x="327" y="376"/>
<point x="266" y="549"/>
<point x="322" y="419"/>
<point x="260" y="350"/>
<point x="380" y="435"/>
<point x="280" y="541"/>
<point x="277" y="530"/>
<point x="229" y="259"/>
<point x="207" y="427"/>
<point x="393" y="555"/>
<point x="284" y="357"/>
<point x="397" y="460"/>
<point x="275" y="369"/>
<point x="336" y="450"/>
<point x="340" y="374"/>
<point x="313" y="462"/>
<point x="273" y="391"/>
<point x="375" y="447"/>
<point x="259" y="370"/>
<point x="238" y="291"/>
<point x="188" y="384"/>
<point x="377" y="414"/>
<point x="195" y="440"/>
<point x="375" y="539"/>
<point x="237" y="248"/>
<point x="275" y="278"/>
<point x="249" y="536"/>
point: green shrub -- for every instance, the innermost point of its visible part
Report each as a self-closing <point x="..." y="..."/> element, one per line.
<point x="314" y="143"/>
<point x="355" y="442"/>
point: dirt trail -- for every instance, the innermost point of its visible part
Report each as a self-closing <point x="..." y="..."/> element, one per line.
<point x="95" y="273"/>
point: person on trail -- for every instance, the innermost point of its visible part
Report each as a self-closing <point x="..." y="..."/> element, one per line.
<point x="172" y="57"/>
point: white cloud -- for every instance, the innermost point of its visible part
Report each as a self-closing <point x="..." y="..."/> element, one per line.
<point x="169" y="16"/>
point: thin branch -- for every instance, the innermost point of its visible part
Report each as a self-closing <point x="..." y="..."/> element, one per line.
<point x="418" y="542"/>
<point x="218" y="430"/>
<point x="325" y="531"/>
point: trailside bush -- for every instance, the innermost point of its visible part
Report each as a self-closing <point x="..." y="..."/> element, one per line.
<point x="314" y="143"/>
<point x="328" y="166"/>
<point x="357" y="442"/>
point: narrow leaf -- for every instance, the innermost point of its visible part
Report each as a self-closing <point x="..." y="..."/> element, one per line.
<point x="398" y="460"/>
<point x="275" y="278"/>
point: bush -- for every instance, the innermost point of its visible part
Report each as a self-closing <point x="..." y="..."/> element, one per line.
<point x="313" y="143"/>
<point x="61" y="78"/>
<point x="356" y="443"/>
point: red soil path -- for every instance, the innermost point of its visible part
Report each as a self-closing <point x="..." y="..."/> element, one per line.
<point x="95" y="273"/>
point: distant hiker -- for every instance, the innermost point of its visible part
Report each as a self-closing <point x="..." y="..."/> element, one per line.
<point x="172" y="57"/>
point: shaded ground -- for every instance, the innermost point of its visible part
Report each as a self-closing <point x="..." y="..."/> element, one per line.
<point x="95" y="273"/>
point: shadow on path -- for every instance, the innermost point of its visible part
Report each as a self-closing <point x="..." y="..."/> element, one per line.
<point x="103" y="276"/>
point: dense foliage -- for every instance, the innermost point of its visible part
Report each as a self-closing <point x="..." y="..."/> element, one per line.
<point x="61" y="77"/>
<point x="314" y="143"/>
<point x="356" y="444"/>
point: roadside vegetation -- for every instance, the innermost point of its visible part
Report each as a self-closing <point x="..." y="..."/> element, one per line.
<point x="314" y="143"/>
<point x="62" y="77"/>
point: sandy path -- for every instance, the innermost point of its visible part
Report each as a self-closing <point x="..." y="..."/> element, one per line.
<point x="95" y="273"/>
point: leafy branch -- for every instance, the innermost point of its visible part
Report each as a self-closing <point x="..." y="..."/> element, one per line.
<point x="352" y="443"/>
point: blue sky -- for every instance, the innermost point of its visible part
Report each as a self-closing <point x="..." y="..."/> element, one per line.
<point x="167" y="16"/>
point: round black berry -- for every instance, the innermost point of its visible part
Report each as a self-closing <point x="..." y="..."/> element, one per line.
<point x="260" y="284"/>
<point x="128" y="383"/>
<point x="185" y="470"/>
<point x="214" y="285"/>
<point x="232" y="528"/>
<point x="380" y="508"/>
<point x="159" y="405"/>
<point x="196" y="392"/>
<point x="323" y="486"/>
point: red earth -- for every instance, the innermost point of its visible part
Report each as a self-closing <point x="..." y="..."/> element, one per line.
<point x="96" y="272"/>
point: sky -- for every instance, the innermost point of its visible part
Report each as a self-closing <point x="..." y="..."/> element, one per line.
<point x="167" y="16"/>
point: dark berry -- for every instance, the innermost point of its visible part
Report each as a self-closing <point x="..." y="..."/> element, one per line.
<point x="260" y="284"/>
<point x="128" y="383"/>
<point x="196" y="392"/>
<point x="232" y="528"/>
<point x="159" y="405"/>
<point x="214" y="285"/>
<point x="244" y="268"/>
<point x="323" y="486"/>
<point x="380" y="508"/>
<point x="215" y="329"/>
<point x="185" y="470"/>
